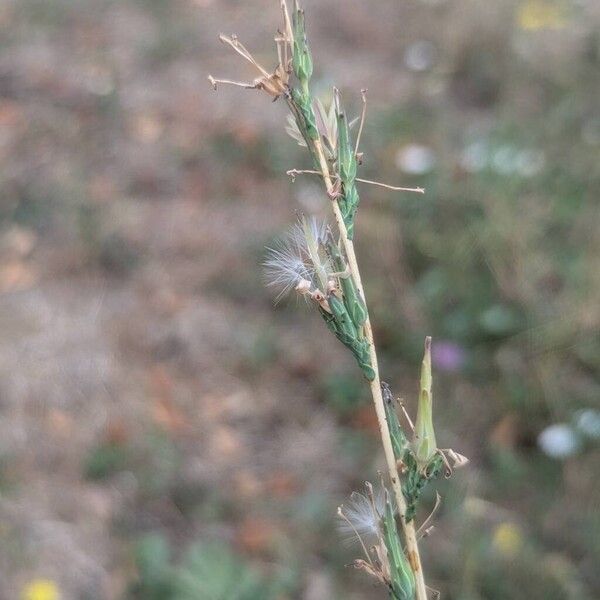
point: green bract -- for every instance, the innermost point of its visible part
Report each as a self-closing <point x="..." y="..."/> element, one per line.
<point x="424" y="444"/>
<point x="301" y="58"/>
<point x="402" y="580"/>
<point x="399" y="441"/>
<point x="346" y="162"/>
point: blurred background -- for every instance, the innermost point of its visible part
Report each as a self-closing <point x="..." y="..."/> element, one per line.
<point x="166" y="432"/>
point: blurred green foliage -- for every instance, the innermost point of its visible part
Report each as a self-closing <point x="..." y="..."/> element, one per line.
<point x="105" y="460"/>
<point x="343" y="391"/>
<point x="208" y="570"/>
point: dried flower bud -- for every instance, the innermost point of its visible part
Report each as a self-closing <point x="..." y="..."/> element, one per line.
<point x="320" y="299"/>
<point x="458" y="460"/>
<point x="274" y="83"/>
<point x="303" y="287"/>
<point x="333" y="287"/>
<point x="452" y="460"/>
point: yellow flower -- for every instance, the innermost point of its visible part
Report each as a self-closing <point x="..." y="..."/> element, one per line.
<point x="541" y="14"/>
<point x="40" y="589"/>
<point x="508" y="539"/>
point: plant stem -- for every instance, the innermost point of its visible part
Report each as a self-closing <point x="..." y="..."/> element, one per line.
<point x="412" y="548"/>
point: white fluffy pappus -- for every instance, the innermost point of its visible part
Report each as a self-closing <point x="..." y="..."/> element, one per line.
<point x="293" y="258"/>
<point x="284" y="268"/>
<point x="361" y="516"/>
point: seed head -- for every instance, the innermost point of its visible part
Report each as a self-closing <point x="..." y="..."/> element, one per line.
<point x="285" y="269"/>
<point x="371" y="519"/>
<point x="298" y="261"/>
<point x="362" y="517"/>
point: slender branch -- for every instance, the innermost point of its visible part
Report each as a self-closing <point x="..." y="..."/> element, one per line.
<point x="406" y="415"/>
<point x="214" y="82"/>
<point x="363" y="114"/>
<point x="287" y="22"/>
<point x="419" y="190"/>
<point x="294" y="172"/>
<point x="425" y="525"/>
<point x="243" y="52"/>
<point x="410" y="535"/>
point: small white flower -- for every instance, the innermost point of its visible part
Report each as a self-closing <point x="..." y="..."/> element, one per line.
<point x="415" y="159"/>
<point x="420" y="56"/>
<point x="559" y="441"/>
<point x="504" y="159"/>
<point x="530" y="162"/>
<point x="588" y="422"/>
<point x="475" y="157"/>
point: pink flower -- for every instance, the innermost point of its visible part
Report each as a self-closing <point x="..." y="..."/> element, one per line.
<point x="448" y="355"/>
